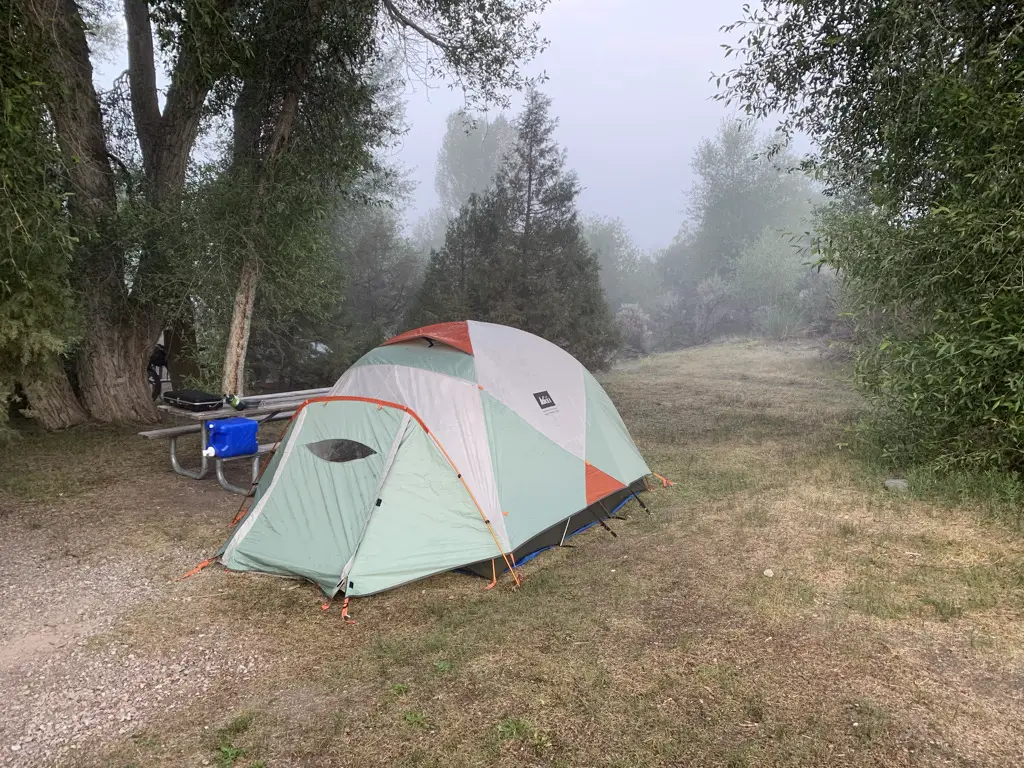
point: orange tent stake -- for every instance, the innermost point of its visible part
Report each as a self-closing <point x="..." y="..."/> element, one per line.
<point x="196" y="570"/>
<point x="494" y="577"/>
<point x="344" y="613"/>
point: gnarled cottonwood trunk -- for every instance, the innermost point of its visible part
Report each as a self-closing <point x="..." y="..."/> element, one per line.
<point x="52" y="402"/>
<point x="111" y="365"/>
<point x="119" y="332"/>
<point x="241" y="323"/>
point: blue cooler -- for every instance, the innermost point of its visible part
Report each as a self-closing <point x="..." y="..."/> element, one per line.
<point x="232" y="437"/>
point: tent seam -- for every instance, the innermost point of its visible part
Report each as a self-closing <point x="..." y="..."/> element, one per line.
<point x="414" y="368"/>
<point x="388" y="464"/>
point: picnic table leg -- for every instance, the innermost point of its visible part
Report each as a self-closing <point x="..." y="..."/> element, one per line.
<point x="234" y="488"/>
<point x="203" y="465"/>
<point x="255" y="473"/>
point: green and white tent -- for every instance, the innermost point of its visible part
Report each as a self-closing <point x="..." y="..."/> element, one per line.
<point x="457" y="446"/>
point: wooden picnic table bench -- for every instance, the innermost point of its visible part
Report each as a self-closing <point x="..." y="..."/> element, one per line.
<point x="276" y="407"/>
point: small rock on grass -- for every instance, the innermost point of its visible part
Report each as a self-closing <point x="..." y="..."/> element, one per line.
<point x="897" y="484"/>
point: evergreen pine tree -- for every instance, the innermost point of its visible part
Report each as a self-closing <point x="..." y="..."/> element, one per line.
<point x="516" y="254"/>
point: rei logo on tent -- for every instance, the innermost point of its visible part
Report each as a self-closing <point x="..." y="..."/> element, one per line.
<point x="544" y="400"/>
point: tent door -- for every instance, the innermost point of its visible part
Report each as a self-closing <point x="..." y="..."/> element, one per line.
<point x="382" y="478"/>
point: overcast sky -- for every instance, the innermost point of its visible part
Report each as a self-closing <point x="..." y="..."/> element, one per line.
<point x="630" y="83"/>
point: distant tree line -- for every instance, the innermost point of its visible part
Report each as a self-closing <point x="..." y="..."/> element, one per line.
<point x="741" y="263"/>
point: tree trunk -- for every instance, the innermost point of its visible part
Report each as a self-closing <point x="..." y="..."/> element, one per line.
<point x="52" y="402"/>
<point x="182" y="351"/>
<point x="241" y="323"/>
<point x="111" y="365"/>
<point x="246" y="119"/>
<point x="112" y="362"/>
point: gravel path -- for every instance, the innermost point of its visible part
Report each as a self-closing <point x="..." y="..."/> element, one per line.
<point x="68" y="677"/>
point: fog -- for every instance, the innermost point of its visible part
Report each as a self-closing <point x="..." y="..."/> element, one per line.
<point x="630" y="80"/>
<point x="630" y="85"/>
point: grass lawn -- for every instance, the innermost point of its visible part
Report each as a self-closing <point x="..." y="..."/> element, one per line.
<point x="775" y="607"/>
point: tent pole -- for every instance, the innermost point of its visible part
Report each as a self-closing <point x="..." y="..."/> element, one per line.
<point x="494" y="576"/>
<point x="602" y="522"/>
<point x="639" y="501"/>
<point x="566" y="531"/>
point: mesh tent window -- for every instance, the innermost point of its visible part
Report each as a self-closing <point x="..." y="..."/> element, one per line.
<point x="340" y="450"/>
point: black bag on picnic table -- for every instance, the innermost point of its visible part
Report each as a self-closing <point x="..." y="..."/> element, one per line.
<point x="193" y="400"/>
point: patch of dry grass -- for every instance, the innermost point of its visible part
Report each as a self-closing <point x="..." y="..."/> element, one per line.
<point x="888" y="632"/>
<point x="38" y="467"/>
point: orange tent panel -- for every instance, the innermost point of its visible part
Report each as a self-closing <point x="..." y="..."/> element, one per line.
<point x="600" y="484"/>
<point x="453" y="334"/>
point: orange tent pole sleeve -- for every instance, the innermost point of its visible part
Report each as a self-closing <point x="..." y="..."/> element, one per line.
<point x="494" y="577"/>
<point x="478" y="508"/>
<point x="344" y="613"/>
<point x="665" y="483"/>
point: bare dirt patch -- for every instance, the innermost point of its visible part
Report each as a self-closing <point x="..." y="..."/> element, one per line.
<point x="71" y="567"/>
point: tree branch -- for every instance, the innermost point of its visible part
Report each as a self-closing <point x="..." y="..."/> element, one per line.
<point x="247" y="115"/>
<point x="74" y="107"/>
<point x="401" y="19"/>
<point x="288" y="112"/>
<point x="124" y="172"/>
<point x="190" y="85"/>
<point x="142" y="79"/>
<point x="78" y="128"/>
<point x="181" y="119"/>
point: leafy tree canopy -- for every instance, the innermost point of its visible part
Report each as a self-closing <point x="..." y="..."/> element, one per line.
<point x="916" y="113"/>
<point x="744" y="186"/>
<point x="618" y="257"/>
<point x="259" y="80"/>
<point x="471" y="152"/>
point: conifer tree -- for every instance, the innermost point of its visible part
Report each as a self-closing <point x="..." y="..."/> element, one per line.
<point x="516" y="254"/>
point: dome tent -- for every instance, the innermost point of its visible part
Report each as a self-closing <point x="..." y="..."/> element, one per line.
<point x="463" y="445"/>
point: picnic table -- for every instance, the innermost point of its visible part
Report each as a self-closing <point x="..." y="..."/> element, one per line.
<point x="262" y="408"/>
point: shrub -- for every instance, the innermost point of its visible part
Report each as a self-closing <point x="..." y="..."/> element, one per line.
<point x="710" y="308"/>
<point x="634" y="327"/>
<point x="820" y="304"/>
<point x="778" y="322"/>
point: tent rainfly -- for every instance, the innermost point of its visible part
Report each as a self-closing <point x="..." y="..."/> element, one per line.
<point x="461" y="445"/>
